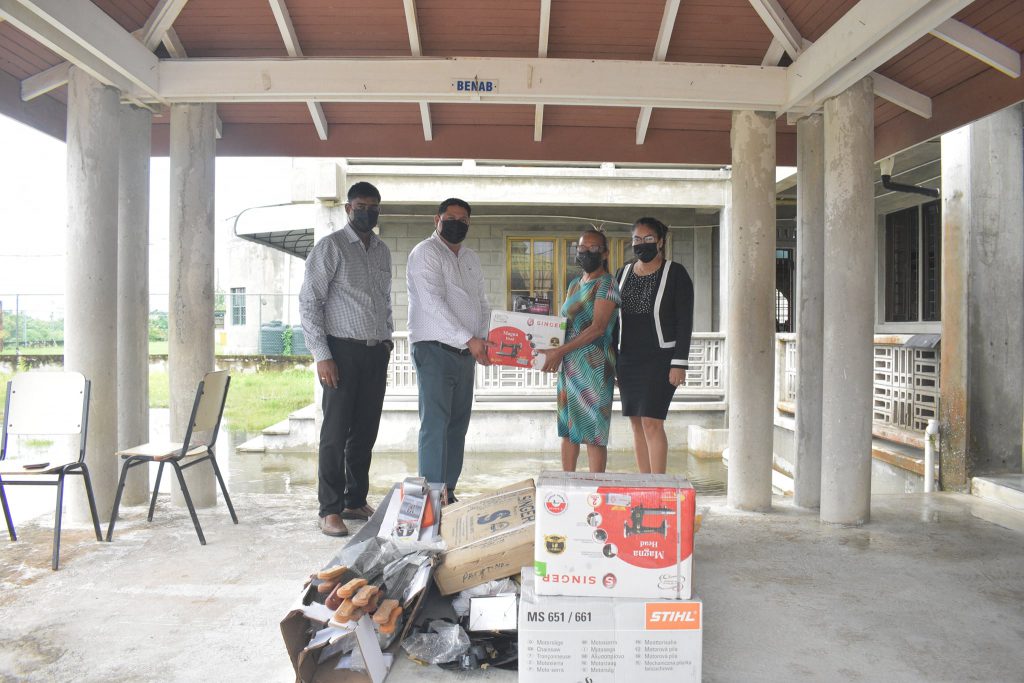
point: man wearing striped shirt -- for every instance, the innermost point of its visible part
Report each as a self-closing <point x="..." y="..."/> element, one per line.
<point x="448" y="318"/>
<point x="345" y="304"/>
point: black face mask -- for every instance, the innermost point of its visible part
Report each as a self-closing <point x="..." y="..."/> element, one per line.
<point x="453" y="231"/>
<point x="589" y="261"/>
<point x="645" y="252"/>
<point x="364" y="220"/>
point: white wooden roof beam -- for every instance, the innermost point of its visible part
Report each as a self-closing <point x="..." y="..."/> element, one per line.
<point x="160" y="21"/>
<point x="860" y="41"/>
<point x="980" y="46"/>
<point x="783" y="29"/>
<point x="778" y="22"/>
<point x="156" y="26"/>
<point x="83" y="34"/>
<point x="172" y="43"/>
<point x="668" y="22"/>
<point x="292" y="47"/>
<point x="522" y="81"/>
<point x="773" y="55"/>
<point x="416" y="49"/>
<point x="542" y="52"/>
<point x="43" y="82"/>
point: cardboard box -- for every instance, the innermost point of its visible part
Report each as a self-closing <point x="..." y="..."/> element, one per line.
<point x="489" y="537"/>
<point x="607" y="640"/>
<point x="518" y="336"/>
<point x="623" y="535"/>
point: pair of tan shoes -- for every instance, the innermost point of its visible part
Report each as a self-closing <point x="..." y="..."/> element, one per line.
<point x="333" y="524"/>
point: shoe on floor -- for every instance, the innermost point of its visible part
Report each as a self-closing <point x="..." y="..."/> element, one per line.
<point x="361" y="513"/>
<point x="331" y="525"/>
<point x="450" y="497"/>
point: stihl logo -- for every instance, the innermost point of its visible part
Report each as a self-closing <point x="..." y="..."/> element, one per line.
<point x="676" y="616"/>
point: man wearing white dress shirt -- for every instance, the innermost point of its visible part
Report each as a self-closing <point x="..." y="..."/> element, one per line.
<point x="448" y="319"/>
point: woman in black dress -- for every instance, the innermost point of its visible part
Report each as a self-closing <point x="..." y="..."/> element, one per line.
<point x="654" y="340"/>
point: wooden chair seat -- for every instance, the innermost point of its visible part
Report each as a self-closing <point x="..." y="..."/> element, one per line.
<point x="17" y="467"/>
<point x="161" y="450"/>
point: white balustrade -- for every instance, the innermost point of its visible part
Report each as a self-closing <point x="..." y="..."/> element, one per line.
<point x="906" y="382"/>
<point x="705" y="376"/>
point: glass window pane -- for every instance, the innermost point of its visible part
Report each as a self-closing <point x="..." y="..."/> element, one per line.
<point x="931" y="247"/>
<point x="901" y="266"/>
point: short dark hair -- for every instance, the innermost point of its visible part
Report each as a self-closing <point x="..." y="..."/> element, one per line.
<point x="363" y="189"/>
<point x="443" y="206"/>
<point x="654" y="224"/>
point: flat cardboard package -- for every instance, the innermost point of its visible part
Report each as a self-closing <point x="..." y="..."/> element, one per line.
<point x="489" y="537"/>
<point x="621" y="535"/>
<point x="607" y="640"/>
<point x="518" y="336"/>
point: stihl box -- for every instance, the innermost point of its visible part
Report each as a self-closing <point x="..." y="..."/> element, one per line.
<point x="517" y="337"/>
<point x="621" y="535"/>
<point x="607" y="640"/>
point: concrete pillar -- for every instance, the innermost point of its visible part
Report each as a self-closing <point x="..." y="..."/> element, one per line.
<point x="810" y="285"/>
<point x="703" y="272"/>
<point x="849" y="313"/>
<point x="90" y="321"/>
<point x="724" y="249"/>
<point x="982" y="290"/>
<point x="751" y="310"/>
<point x="133" y="293"/>
<point x="190" y="319"/>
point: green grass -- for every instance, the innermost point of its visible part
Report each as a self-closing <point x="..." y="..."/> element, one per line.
<point x="255" y="400"/>
<point x="156" y="348"/>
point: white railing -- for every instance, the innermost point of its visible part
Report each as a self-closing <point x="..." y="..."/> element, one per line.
<point x="705" y="377"/>
<point x="905" y="394"/>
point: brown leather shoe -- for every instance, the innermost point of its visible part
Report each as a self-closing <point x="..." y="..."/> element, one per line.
<point x="361" y="513"/>
<point x="331" y="525"/>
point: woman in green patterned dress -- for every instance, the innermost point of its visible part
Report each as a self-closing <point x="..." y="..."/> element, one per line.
<point x="586" y="378"/>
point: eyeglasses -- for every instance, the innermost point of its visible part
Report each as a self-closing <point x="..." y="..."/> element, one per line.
<point x="593" y="250"/>
<point x="648" y="239"/>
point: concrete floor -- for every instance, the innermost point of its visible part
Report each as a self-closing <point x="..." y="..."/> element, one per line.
<point x="930" y="590"/>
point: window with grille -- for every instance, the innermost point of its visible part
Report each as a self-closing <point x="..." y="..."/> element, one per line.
<point x="913" y="264"/>
<point x="931" y="249"/>
<point x="540" y="269"/>
<point x="238" y="305"/>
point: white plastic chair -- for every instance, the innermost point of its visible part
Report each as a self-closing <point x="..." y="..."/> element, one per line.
<point x="46" y="404"/>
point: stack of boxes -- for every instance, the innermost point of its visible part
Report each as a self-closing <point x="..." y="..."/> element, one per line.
<point x="609" y="597"/>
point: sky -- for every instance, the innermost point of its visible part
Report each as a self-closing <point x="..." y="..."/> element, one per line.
<point x="33" y="213"/>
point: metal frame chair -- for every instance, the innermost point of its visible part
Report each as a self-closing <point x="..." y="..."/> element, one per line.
<point x="207" y="411"/>
<point x="47" y="404"/>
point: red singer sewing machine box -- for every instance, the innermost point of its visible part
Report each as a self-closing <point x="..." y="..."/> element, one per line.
<point x="517" y="337"/>
<point x="614" y="535"/>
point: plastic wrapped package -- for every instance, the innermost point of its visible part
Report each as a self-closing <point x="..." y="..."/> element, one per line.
<point x="497" y="587"/>
<point x="443" y="642"/>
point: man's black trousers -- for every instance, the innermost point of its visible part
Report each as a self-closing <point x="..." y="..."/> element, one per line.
<point x="351" y="419"/>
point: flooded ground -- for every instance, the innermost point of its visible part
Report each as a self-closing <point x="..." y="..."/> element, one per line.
<point x="295" y="472"/>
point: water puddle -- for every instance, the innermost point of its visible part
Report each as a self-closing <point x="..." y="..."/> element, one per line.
<point x="295" y="472"/>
